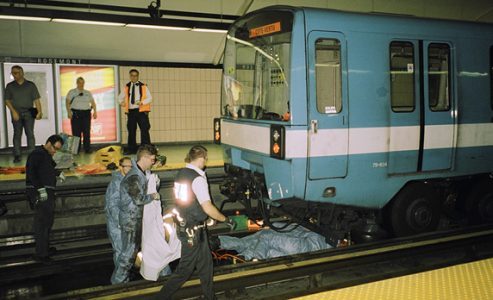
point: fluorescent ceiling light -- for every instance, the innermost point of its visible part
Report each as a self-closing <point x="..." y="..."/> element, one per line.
<point x="87" y="22"/>
<point x="210" y="30"/>
<point x="24" y="18"/>
<point x="157" y="27"/>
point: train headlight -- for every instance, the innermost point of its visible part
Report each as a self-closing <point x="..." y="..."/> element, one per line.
<point x="277" y="141"/>
<point x="217" y="131"/>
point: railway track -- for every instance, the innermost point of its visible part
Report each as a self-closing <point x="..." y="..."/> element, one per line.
<point x="281" y="278"/>
<point x="303" y="274"/>
<point x="93" y="185"/>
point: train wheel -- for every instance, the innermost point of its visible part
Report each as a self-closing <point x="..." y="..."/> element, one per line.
<point x="414" y="210"/>
<point x="479" y="203"/>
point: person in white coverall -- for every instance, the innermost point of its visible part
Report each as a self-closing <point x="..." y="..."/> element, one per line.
<point x="160" y="244"/>
<point x="112" y="198"/>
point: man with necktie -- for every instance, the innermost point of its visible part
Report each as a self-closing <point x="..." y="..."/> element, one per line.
<point x="136" y="100"/>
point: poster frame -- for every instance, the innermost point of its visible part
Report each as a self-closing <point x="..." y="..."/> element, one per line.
<point x="61" y="104"/>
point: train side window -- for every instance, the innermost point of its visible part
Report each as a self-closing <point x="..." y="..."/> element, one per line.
<point x="402" y="76"/>
<point x="328" y="75"/>
<point x="439" y="76"/>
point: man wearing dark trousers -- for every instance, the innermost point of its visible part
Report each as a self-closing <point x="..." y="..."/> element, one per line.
<point x="79" y="103"/>
<point x="194" y="205"/>
<point x="40" y="189"/>
<point x="135" y="99"/>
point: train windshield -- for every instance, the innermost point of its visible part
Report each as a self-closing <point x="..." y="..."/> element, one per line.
<point x="256" y="68"/>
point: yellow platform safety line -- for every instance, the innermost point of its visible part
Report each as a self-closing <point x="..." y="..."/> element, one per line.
<point x="294" y="265"/>
<point x="469" y="281"/>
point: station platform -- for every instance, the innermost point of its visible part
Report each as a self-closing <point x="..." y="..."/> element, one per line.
<point x="174" y="153"/>
<point x="460" y="282"/>
<point x="80" y="198"/>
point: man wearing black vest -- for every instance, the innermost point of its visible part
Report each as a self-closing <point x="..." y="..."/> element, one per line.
<point x="194" y="205"/>
<point x="135" y="99"/>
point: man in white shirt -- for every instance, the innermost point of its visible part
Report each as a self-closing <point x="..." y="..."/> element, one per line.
<point x="194" y="204"/>
<point x="135" y="99"/>
<point x="79" y="103"/>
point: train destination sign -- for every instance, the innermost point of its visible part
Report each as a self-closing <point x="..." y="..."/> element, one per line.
<point x="265" y="30"/>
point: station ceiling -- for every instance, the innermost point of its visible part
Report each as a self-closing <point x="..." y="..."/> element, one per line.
<point x="45" y="39"/>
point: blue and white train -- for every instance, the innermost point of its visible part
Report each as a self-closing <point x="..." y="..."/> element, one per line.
<point x="355" y="122"/>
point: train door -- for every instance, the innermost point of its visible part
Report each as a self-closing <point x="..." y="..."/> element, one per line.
<point x="439" y="126"/>
<point x="327" y="105"/>
<point x="422" y="125"/>
<point x="405" y="106"/>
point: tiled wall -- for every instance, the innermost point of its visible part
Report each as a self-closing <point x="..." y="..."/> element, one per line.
<point x="185" y="101"/>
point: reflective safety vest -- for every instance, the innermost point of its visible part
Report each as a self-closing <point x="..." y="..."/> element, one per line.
<point x="186" y="202"/>
<point x="143" y="96"/>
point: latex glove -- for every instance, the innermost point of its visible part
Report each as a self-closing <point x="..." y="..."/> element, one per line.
<point x="231" y="223"/>
<point x="42" y="194"/>
<point x="158" y="181"/>
<point x="62" y="177"/>
<point x="152" y="184"/>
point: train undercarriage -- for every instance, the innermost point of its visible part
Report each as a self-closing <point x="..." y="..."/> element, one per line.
<point x="420" y="206"/>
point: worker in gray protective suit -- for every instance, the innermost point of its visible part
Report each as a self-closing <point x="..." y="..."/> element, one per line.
<point x="134" y="194"/>
<point x="112" y="199"/>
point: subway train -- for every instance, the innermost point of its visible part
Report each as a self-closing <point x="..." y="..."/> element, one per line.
<point x="369" y="125"/>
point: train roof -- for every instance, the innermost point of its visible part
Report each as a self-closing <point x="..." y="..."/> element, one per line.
<point x="386" y="22"/>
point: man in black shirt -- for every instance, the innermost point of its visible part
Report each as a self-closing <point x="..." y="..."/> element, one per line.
<point x="40" y="189"/>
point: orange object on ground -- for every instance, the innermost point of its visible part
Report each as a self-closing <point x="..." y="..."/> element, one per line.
<point x="94" y="168"/>
<point x="12" y="170"/>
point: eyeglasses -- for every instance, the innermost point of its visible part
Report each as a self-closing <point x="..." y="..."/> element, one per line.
<point x="56" y="148"/>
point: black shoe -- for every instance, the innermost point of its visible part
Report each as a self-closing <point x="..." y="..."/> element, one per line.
<point x="46" y="260"/>
<point x="17" y="159"/>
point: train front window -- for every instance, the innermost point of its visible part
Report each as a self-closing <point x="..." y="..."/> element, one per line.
<point x="256" y="68"/>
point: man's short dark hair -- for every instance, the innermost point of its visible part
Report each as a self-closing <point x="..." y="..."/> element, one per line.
<point x="54" y="139"/>
<point x="134" y="70"/>
<point x="146" y="149"/>
<point x="17" y="67"/>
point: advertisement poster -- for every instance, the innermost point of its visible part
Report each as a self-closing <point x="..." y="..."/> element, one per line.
<point x="42" y="76"/>
<point x="101" y="82"/>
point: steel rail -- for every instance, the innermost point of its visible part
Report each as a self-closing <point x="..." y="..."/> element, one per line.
<point x="324" y="269"/>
